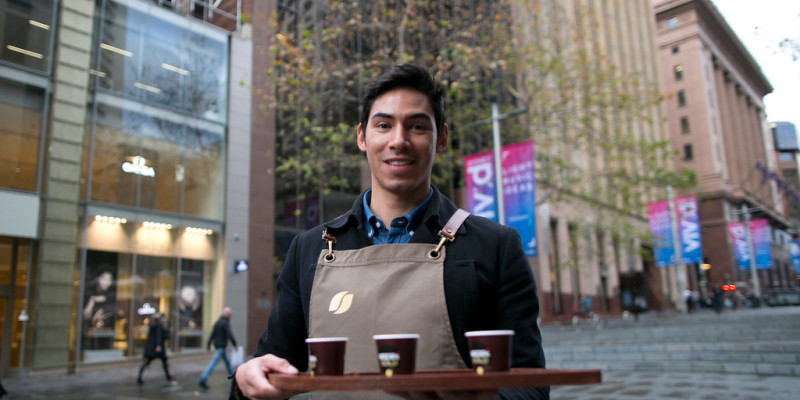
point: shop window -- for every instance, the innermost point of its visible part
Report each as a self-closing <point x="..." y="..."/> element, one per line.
<point x="681" y="98"/>
<point x="685" y="125"/>
<point x="26" y="33"/>
<point x="678" y="70"/>
<point x="106" y="305"/>
<point x="688" y="153"/>
<point x="21" y="108"/>
<point x="158" y="59"/>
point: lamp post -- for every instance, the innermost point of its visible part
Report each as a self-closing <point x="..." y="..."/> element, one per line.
<point x="496" y="145"/>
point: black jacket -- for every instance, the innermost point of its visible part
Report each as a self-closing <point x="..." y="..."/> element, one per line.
<point x="488" y="284"/>
<point x="221" y="334"/>
<point x="156" y="336"/>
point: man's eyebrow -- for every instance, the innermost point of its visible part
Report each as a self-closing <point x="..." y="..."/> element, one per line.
<point x="420" y="115"/>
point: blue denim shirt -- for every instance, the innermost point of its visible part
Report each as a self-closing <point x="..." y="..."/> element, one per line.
<point x="400" y="230"/>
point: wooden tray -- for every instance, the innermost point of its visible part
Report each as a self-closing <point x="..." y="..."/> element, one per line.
<point x="424" y="381"/>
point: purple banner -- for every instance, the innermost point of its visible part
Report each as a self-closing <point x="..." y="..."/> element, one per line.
<point x="762" y="236"/>
<point x="661" y="229"/>
<point x="739" y="239"/>
<point x="518" y="192"/>
<point x="689" y="229"/>
<point x="480" y="182"/>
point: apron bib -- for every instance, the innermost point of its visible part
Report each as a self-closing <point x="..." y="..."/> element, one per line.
<point x="385" y="289"/>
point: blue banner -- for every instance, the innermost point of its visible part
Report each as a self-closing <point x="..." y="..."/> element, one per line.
<point x="794" y="250"/>
<point x="518" y="192"/>
<point x="739" y="239"/>
<point x="762" y="236"/>
<point x="689" y="229"/>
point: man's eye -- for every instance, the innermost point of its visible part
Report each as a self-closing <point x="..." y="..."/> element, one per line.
<point x="417" y="126"/>
<point x="382" y="125"/>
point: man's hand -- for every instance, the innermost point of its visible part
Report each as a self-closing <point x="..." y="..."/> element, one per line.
<point x="465" y="395"/>
<point x="251" y="377"/>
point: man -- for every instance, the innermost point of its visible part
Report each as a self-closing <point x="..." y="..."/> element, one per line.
<point x="220" y="335"/>
<point x="389" y="266"/>
<point x="155" y="347"/>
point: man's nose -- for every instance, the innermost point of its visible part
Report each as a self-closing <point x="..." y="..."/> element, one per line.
<point x="399" y="137"/>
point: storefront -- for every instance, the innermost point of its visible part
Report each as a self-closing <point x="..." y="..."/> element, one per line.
<point x="153" y="187"/>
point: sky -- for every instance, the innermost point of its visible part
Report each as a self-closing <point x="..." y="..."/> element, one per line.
<point x="760" y="26"/>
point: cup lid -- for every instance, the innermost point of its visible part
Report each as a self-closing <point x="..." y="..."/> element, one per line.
<point x="396" y="336"/>
<point x="489" y="333"/>
<point x="326" y="339"/>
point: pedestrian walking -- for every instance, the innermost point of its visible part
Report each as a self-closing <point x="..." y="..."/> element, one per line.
<point x="220" y="335"/>
<point x="155" y="347"/>
<point x="688" y="297"/>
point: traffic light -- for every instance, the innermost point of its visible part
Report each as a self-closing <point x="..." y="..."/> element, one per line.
<point x="728" y="288"/>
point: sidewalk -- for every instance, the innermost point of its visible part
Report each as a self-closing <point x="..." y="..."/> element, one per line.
<point x="119" y="382"/>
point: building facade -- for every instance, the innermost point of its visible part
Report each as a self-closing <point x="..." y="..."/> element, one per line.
<point x="119" y="193"/>
<point x="717" y="123"/>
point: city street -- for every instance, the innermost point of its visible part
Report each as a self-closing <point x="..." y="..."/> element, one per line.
<point x="737" y="355"/>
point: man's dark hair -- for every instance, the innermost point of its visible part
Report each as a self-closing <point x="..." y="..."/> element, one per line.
<point x="406" y="76"/>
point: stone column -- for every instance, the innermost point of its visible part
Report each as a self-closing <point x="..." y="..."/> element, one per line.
<point x="52" y="281"/>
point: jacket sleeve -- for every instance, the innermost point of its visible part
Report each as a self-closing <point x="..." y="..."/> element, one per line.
<point x="211" y="337"/>
<point x="286" y="329"/>
<point x="229" y="334"/>
<point x="518" y="309"/>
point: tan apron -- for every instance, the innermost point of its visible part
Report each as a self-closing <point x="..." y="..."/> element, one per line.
<point x="385" y="289"/>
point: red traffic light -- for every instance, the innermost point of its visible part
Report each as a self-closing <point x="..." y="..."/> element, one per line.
<point x="732" y="287"/>
<point x="727" y="288"/>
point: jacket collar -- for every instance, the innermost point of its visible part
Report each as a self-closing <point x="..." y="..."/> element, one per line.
<point x="435" y="217"/>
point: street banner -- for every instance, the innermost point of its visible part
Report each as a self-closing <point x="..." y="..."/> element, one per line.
<point x="518" y="192"/>
<point x="661" y="229"/>
<point x="739" y="239"/>
<point x="689" y="229"/>
<point x="761" y="235"/>
<point x="794" y="250"/>
<point x="480" y="182"/>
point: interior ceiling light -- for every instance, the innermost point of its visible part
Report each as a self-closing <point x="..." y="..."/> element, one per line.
<point x="115" y="50"/>
<point x="175" y="69"/>
<point x="39" y="24"/>
<point x="199" y="231"/>
<point x="149" y="88"/>
<point x="26" y="52"/>
<point x="98" y="73"/>
<point x="157" y="225"/>
<point x="110" y="220"/>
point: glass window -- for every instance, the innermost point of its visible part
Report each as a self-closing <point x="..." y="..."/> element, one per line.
<point x="678" y="72"/>
<point x="681" y="98"/>
<point x="151" y="162"/>
<point x="685" y="125"/>
<point x="106" y="305"/>
<point x="688" y="153"/>
<point x="676" y="49"/>
<point x="153" y="293"/>
<point x="21" y="108"/>
<point x="25" y="32"/>
<point x="169" y="61"/>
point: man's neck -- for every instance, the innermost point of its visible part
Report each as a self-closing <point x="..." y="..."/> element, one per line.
<point x="388" y="206"/>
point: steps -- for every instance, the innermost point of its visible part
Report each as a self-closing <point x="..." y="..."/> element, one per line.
<point x="753" y="341"/>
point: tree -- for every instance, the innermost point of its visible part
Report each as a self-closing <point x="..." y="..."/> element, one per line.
<point x="593" y="122"/>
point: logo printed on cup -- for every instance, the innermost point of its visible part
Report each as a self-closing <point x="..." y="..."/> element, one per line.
<point x="480" y="356"/>
<point x="389" y="359"/>
<point x="312" y="362"/>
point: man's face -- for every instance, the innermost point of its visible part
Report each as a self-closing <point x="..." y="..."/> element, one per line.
<point x="401" y="142"/>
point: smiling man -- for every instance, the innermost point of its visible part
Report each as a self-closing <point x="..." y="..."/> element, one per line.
<point x="404" y="259"/>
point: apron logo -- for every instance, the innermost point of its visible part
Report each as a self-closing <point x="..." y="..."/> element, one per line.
<point x="341" y="302"/>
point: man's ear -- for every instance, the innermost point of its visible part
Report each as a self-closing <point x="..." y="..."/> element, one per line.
<point x="441" y="140"/>
<point x="360" y="140"/>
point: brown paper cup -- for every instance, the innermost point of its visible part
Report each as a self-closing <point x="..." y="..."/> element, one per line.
<point x="326" y="355"/>
<point x="490" y="350"/>
<point x="397" y="353"/>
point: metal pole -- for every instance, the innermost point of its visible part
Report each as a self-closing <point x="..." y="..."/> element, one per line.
<point x="498" y="171"/>
<point x="680" y="271"/>
<point x="753" y="269"/>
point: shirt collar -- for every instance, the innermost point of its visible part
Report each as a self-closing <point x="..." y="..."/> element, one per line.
<point x="412" y="218"/>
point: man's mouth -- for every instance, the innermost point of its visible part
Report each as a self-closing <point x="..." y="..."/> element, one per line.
<point x="399" y="163"/>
